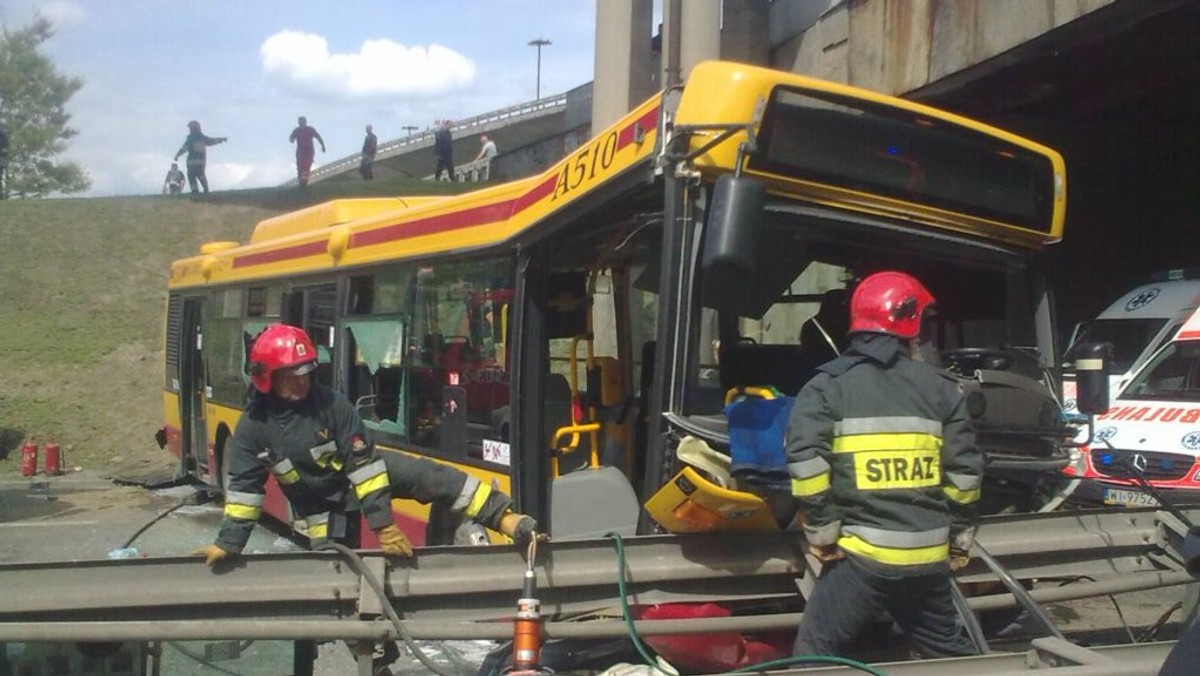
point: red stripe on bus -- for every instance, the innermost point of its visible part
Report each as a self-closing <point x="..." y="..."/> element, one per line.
<point x="647" y="122"/>
<point x="539" y="192"/>
<point x="286" y="253"/>
<point x="1188" y="335"/>
<point x="490" y="213"/>
<point x="434" y="224"/>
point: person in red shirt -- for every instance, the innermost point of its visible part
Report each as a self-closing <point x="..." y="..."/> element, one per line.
<point x="303" y="136"/>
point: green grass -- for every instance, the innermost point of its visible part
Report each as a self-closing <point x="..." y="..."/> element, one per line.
<point x="84" y="289"/>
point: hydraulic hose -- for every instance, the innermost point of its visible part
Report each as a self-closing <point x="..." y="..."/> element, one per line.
<point x="377" y="586"/>
<point x="1018" y="591"/>
<point x="189" y="500"/>
<point x="619" y="545"/>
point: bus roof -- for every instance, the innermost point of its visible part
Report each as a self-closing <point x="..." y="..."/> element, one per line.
<point x="345" y="233"/>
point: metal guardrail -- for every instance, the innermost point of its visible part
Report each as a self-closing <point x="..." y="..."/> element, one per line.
<point x="461" y="592"/>
<point x="530" y="109"/>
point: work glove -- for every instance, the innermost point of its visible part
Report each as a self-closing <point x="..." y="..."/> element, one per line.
<point x="826" y="553"/>
<point x="517" y="526"/>
<point x="959" y="558"/>
<point x="393" y="542"/>
<point x="212" y="554"/>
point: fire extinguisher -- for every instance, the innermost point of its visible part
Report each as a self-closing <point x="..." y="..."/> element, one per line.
<point x="29" y="458"/>
<point x="53" y="459"/>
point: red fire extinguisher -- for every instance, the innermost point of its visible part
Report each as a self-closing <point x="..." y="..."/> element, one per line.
<point x="53" y="459"/>
<point x="29" y="458"/>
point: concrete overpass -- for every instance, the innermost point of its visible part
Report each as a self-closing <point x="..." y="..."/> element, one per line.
<point x="519" y="131"/>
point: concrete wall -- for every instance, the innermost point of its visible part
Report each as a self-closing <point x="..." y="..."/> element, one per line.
<point x="624" y="65"/>
<point x="895" y="46"/>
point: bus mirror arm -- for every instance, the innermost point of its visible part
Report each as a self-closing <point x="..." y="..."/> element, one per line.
<point x="726" y="131"/>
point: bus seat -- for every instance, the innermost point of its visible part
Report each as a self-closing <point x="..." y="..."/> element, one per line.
<point x="714" y="464"/>
<point x="591" y="502"/>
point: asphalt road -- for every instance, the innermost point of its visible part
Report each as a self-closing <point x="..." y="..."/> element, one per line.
<point x="82" y="516"/>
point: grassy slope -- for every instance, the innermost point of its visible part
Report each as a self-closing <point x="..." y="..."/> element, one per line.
<point x="84" y="289"/>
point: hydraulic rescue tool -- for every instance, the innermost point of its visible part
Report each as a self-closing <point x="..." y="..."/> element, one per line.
<point x="527" y="626"/>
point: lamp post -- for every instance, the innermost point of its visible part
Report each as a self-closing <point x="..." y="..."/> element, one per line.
<point x="410" y="128"/>
<point x="539" y="43"/>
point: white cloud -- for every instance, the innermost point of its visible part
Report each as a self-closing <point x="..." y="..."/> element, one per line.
<point x="62" y="13"/>
<point x="380" y="67"/>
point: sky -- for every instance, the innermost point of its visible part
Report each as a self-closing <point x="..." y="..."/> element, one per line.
<point x="246" y="69"/>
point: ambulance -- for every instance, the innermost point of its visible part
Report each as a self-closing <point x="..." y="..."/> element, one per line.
<point x="1137" y="324"/>
<point x="1151" y="430"/>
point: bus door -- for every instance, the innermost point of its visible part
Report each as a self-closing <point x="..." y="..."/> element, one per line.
<point x="314" y="309"/>
<point x="193" y="385"/>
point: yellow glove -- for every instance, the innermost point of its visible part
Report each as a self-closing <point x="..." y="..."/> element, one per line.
<point x="393" y="542"/>
<point x="959" y="558"/>
<point x="212" y="554"/>
<point x="518" y="526"/>
<point x="826" y="553"/>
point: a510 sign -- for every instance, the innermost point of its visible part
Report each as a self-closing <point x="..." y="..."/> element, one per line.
<point x="583" y="165"/>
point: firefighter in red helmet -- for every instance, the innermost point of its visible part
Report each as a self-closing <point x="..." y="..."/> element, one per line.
<point x="315" y="444"/>
<point x="882" y="455"/>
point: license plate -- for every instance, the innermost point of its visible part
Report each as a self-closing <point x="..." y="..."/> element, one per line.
<point x="1128" y="498"/>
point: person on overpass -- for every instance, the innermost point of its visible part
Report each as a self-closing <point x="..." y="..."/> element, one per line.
<point x="443" y="148"/>
<point x="195" y="146"/>
<point x="883" y="460"/>
<point x="366" y="166"/>
<point x="303" y="136"/>
<point x="487" y="149"/>
<point x="173" y="182"/>
<point x="313" y="441"/>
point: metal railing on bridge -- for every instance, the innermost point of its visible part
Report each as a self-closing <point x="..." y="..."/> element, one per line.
<point x="543" y="106"/>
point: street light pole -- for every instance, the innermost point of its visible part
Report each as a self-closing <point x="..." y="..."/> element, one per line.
<point x="539" y="43"/>
<point x="410" y="128"/>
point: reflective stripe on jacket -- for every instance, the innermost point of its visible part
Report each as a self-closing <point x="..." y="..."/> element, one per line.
<point x="318" y="452"/>
<point x="882" y="457"/>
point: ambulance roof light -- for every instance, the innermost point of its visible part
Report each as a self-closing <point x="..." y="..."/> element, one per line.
<point x="1175" y="274"/>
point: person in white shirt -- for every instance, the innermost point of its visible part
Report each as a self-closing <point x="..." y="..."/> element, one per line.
<point x="488" y="151"/>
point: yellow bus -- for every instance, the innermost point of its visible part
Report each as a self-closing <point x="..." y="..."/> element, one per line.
<point x="563" y="335"/>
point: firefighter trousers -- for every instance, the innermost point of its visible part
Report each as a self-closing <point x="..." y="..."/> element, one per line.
<point x="849" y="596"/>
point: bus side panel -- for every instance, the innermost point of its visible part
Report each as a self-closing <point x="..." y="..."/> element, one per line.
<point x="412" y="517"/>
<point x="275" y="504"/>
<point x="171" y="424"/>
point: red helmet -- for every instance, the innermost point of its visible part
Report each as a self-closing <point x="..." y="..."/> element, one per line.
<point x="279" y="346"/>
<point x="889" y="302"/>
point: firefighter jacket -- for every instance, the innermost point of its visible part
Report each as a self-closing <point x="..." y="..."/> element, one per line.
<point x="882" y="457"/>
<point x="318" y="452"/>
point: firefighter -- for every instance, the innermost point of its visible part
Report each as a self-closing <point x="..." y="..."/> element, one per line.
<point x="314" y="443"/>
<point x="882" y="456"/>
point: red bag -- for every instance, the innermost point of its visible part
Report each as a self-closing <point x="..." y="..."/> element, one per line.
<point x="720" y="651"/>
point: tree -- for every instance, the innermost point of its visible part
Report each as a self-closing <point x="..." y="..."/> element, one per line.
<point x="33" y="98"/>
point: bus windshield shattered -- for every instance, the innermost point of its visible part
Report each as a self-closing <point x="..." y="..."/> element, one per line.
<point x="991" y="329"/>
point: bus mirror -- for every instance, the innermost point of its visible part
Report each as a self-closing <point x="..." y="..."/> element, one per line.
<point x="1091" y="377"/>
<point x="731" y="237"/>
<point x="1076" y="332"/>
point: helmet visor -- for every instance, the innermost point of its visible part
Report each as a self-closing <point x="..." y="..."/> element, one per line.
<point x="301" y="370"/>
